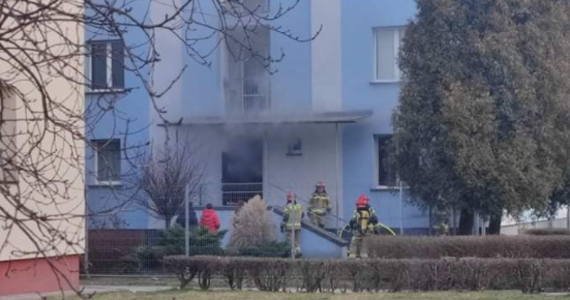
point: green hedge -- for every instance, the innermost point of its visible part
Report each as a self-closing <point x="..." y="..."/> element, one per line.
<point x="401" y="247"/>
<point x="270" y="274"/>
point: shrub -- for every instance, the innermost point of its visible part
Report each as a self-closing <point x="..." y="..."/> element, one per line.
<point x="266" y="249"/>
<point x="271" y="274"/>
<point x="254" y="227"/>
<point x="547" y="231"/>
<point x="186" y="269"/>
<point x="399" y="247"/>
<point x="202" y="241"/>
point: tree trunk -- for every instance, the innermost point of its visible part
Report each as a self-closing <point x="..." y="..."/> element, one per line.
<point x="495" y="224"/>
<point x="466" y="222"/>
<point x="168" y="221"/>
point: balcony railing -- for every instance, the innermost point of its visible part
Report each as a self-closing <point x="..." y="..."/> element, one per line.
<point x="233" y="193"/>
<point x="249" y="96"/>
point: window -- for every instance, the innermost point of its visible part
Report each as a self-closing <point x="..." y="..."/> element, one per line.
<point x="8" y="138"/>
<point x="387" y="46"/>
<point x="295" y="147"/>
<point x="107" y="65"/>
<point x="108" y="160"/>
<point x="385" y="176"/>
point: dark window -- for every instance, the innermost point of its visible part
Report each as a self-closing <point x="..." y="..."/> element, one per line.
<point x="108" y="160"/>
<point x="99" y="65"/>
<point x="242" y="170"/>
<point x="385" y="176"/>
<point x="118" y="65"/>
<point x="107" y="65"/>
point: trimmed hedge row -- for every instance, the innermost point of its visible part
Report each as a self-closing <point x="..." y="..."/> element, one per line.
<point x="547" y="231"/>
<point x="527" y="275"/>
<point x="402" y="247"/>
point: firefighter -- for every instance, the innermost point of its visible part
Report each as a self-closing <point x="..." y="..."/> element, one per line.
<point x="319" y="205"/>
<point x="291" y="224"/>
<point x="363" y="223"/>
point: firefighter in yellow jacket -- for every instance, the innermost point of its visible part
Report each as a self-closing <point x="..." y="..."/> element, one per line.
<point x="363" y="222"/>
<point x="319" y="205"/>
<point x="291" y="224"/>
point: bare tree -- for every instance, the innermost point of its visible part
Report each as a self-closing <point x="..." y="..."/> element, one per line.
<point x="42" y="91"/>
<point x="165" y="177"/>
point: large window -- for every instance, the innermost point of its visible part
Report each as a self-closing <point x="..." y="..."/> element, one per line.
<point x="387" y="43"/>
<point x="385" y="176"/>
<point x="107" y="70"/>
<point x="108" y="160"/>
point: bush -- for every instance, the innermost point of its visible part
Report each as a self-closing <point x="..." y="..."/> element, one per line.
<point x="547" y="231"/>
<point x="149" y="259"/>
<point x="399" y="247"/>
<point x="271" y="274"/>
<point x="202" y="242"/>
<point x="254" y="230"/>
<point x="145" y="259"/>
<point x="266" y="249"/>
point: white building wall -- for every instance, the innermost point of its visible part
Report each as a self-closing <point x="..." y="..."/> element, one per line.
<point x="300" y="173"/>
<point x="59" y="197"/>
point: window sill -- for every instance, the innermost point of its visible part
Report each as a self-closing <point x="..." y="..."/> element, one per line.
<point x="395" y="81"/>
<point x="383" y="188"/>
<point x="105" y="91"/>
<point x="107" y="184"/>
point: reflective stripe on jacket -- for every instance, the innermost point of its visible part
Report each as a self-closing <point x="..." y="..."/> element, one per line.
<point x="293" y="216"/>
<point x="319" y="203"/>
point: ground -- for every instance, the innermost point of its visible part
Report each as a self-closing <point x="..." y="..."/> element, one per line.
<point x="196" y="295"/>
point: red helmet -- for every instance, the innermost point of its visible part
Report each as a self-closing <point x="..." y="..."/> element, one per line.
<point x="321" y="184"/>
<point x="291" y="197"/>
<point x="362" y="201"/>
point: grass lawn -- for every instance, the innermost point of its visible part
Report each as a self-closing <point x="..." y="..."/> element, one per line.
<point x="195" y="295"/>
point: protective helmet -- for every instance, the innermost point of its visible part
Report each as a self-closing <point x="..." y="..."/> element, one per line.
<point x="320" y="184"/>
<point x="291" y="197"/>
<point x="362" y="201"/>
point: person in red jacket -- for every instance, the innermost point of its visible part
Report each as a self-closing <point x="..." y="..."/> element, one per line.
<point x="210" y="219"/>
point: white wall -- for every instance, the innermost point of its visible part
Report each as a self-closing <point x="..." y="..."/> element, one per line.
<point x="58" y="155"/>
<point x="300" y="173"/>
<point x="515" y="229"/>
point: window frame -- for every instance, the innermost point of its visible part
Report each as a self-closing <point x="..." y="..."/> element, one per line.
<point x="377" y="184"/>
<point x="108" y="66"/>
<point x="99" y="142"/>
<point x="396" y="32"/>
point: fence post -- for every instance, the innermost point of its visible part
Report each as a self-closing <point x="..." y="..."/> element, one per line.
<point x="186" y="223"/>
<point x="568" y="217"/>
<point x="401" y="192"/>
<point x="454" y="220"/>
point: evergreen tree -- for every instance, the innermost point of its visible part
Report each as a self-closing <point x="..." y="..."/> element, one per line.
<point x="482" y="125"/>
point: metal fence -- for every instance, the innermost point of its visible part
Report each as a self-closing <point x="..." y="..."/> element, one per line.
<point x="141" y="251"/>
<point x="121" y="251"/>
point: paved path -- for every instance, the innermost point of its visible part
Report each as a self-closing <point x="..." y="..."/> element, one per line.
<point x="94" y="289"/>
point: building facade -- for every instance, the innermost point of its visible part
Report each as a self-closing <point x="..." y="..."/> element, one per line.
<point x="42" y="159"/>
<point x="323" y="113"/>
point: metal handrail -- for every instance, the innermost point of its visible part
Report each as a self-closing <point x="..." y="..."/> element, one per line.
<point x="305" y="201"/>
